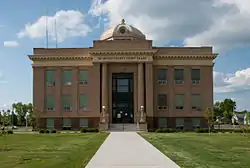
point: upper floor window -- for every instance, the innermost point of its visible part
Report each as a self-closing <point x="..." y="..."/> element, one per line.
<point x="179" y="101"/>
<point x="196" y="101"/>
<point x="83" y="101"/>
<point x="195" y="76"/>
<point x="162" y="102"/>
<point x="67" y="102"/>
<point x="84" y="77"/>
<point x="162" y="76"/>
<point x="179" y="76"/>
<point x="67" y="77"/>
<point x="50" y="77"/>
<point x="50" y="105"/>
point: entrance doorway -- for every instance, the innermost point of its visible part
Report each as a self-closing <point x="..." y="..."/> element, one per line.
<point x="122" y="98"/>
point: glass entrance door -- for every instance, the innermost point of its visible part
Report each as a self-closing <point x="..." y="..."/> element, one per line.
<point x="122" y="98"/>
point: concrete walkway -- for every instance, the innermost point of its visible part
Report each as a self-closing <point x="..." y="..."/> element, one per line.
<point x="129" y="150"/>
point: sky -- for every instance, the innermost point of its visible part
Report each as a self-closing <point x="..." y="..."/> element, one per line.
<point x="223" y="24"/>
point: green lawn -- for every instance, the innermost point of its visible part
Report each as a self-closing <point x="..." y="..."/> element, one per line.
<point x="49" y="150"/>
<point x="192" y="150"/>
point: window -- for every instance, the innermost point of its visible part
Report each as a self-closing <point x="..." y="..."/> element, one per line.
<point x="162" y="123"/>
<point x="162" y="102"/>
<point x="67" y="123"/>
<point x="179" y="76"/>
<point x="84" y="123"/>
<point x="196" y="101"/>
<point x="66" y="102"/>
<point x="196" y="122"/>
<point x="179" y="123"/>
<point x="50" y="103"/>
<point x="122" y="85"/>
<point x="179" y="101"/>
<point x="50" y="77"/>
<point x="67" y="77"/>
<point x="162" y="76"/>
<point x="195" y="76"/>
<point x="83" y="101"/>
<point x="84" y="77"/>
<point x="50" y="123"/>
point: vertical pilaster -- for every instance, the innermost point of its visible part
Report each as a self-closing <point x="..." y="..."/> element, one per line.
<point x="58" y="91"/>
<point x="140" y="85"/>
<point x="105" y="85"/>
<point x="149" y="89"/>
<point x="75" y="79"/>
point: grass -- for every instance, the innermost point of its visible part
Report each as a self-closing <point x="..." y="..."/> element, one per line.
<point x="192" y="150"/>
<point x="49" y="150"/>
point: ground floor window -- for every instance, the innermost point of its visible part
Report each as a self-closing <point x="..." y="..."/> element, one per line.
<point x="84" y="123"/>
<point x="196" y="122"/>
<point x="162" y="122"/>
<point x="50" y="123"/>
<point x="179" y="123"/>
<point x="67" y="124"/>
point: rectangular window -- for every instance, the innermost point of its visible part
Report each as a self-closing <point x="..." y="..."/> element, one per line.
<point x="179" y="76"/>
<point x="67" y="123"/>
<point x="179" y="122"/>
<point x="196" y="122"/>
<point x="196" y="101"/>
<point x="66" y="102"/>
<point x="83" y="101"/>
<point x="162" y="102"/>
<point x="179" y="101"/>
<point x="84" y="75"/>
<point x="84" y="123"/>
<point x="50" y="105"/>
<point x="162" y="76"/>
<point x="67" y="77"/>
<point x="195" y="76"/>
<point x="162" y="123"/>
<point x="50" y="123"/>
<point x="50" y="77"/>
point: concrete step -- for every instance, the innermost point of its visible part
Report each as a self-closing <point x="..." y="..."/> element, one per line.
<point x="125" y="128"/>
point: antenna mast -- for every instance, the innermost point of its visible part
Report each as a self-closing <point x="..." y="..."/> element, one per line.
<point x="46" y="26"/>
<point x="56" y="33"/>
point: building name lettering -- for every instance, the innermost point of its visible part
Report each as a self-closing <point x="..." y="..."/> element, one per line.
<point x="122" y="58"/>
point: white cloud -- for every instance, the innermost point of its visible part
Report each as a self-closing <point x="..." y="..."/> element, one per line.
<point x="221" y="23"/>
<point x="10" y="43"/>
<point x="69" y="24"/>
<point x="239" y="81"/>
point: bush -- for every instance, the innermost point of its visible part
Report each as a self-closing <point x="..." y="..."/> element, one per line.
<point x="9" y="132"/>
<point x="53" y="131"/>
<point x="47" y="131"/>
<point x="41" y="131"/>
<point x="2" y="132"/>
<point x="202" y="130"/>
<point x="84" y="130"/>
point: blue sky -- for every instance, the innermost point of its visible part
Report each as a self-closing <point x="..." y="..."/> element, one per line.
<point x="224" y="25"/>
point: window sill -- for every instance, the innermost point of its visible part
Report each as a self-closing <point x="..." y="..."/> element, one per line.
<point x="84" y="111"/>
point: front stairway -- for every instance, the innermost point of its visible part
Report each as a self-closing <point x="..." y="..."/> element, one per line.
<point x="128" y="127"/>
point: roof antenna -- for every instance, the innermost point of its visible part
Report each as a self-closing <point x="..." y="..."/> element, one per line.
<point x="46" y="27"/>
<point x="56" y="34"/>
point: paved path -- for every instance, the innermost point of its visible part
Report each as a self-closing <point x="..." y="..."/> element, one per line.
<point x="129" y="150"/>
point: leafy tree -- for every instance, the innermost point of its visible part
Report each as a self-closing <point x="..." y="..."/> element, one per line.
<point x="21" y="110"/>
<point x="224" y="109"/>
<point x="209" y="117"/>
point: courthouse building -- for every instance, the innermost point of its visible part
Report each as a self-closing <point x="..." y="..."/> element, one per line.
<point x="122" y="79"/>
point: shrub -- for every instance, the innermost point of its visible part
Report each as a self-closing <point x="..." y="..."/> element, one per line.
<point x="2" y="132"/>
<point x="151" y="130"/>
<point x="83" y="130"/>
<point x="53" y="131"/>
<point x="202" y="130"/>
<point x="10" y="132"/>
<point x="159" y="130"/>
<point x="47" y="131"/>
<point x="41" y="131"/>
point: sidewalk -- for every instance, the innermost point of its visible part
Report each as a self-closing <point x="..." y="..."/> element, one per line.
<point x="129" y="150"/>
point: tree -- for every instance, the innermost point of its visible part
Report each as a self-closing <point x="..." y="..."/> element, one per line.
<point x="21" y="110"/>
<point x="209" y="117"/>
<point x="224" y="109"/>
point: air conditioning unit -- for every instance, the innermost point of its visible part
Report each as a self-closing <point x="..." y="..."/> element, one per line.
<point x="179" y="81"/>
<point x="162" y="82"/>
<point x="195" y="81"/>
